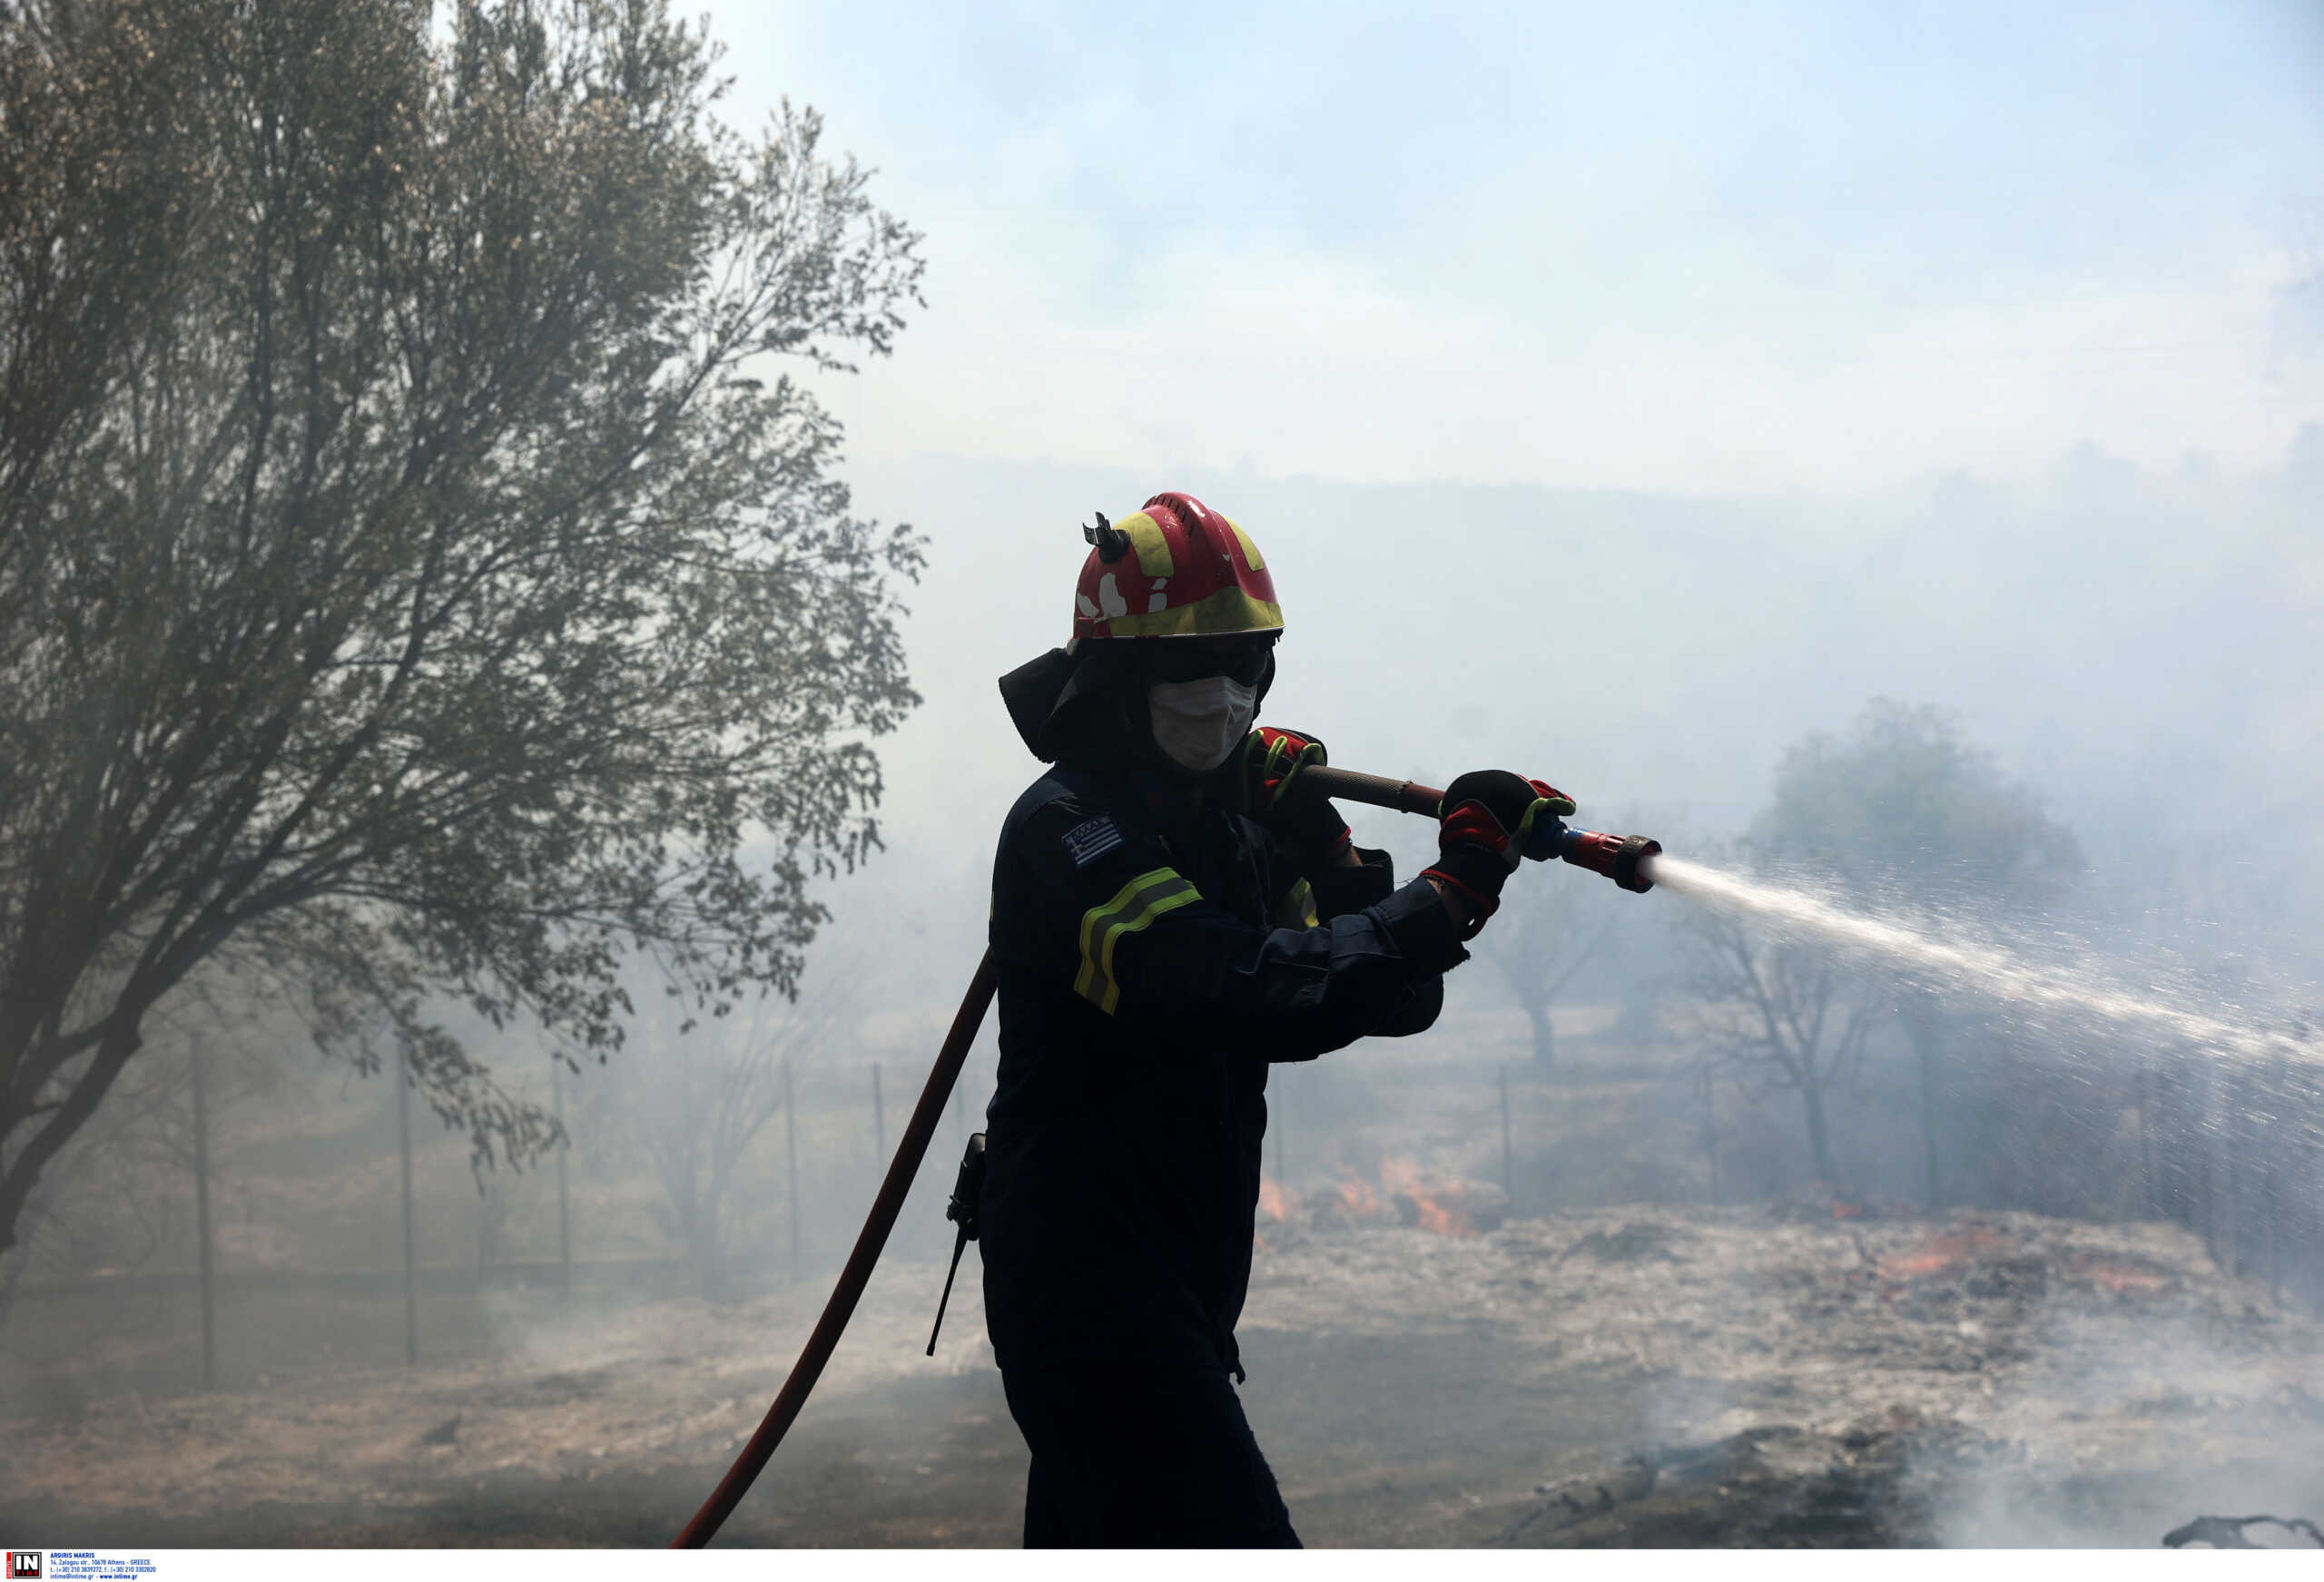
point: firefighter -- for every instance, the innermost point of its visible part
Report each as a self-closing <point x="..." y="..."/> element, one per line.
<point x="1169" y="916"/>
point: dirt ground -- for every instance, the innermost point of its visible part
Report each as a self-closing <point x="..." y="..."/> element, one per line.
<point x="1647" y="1375"/>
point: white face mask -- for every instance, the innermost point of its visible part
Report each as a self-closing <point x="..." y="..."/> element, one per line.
<point x="1197" y="724"/>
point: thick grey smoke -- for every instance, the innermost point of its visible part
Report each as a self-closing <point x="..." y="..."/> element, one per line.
<point x="2139" y="648"/>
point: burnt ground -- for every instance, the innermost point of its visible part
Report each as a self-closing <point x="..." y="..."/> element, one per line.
<point x="1643" y="1376"/>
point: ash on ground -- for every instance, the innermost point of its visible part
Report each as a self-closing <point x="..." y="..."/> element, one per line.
<point x="1640" y="1376"/>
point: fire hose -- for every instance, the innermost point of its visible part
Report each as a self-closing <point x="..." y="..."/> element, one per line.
<point x="1622" y="859"/>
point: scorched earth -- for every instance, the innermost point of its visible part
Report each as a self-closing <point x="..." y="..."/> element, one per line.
<point x="1627" y="1376"/>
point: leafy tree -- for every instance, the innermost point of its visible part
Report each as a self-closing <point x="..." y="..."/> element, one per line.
<point x="1902" y="809"/>
<point x="418" y="574"/>
<point x="1902" y="805"/>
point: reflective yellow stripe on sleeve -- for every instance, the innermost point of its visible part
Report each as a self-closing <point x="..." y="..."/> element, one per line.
<point x="1296" y="910"/>
<point x="1134" y="906"/>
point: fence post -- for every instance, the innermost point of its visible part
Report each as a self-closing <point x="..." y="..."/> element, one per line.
<point x="2271" y="1179"/>
<point x="1508" y="1167"/>
<point x="202" y="1217"/>
<point x="1711" y="1130"/>
<point x="2226" y="1179"/>
<point x="2148" y="1195"/>
<point x="791" y="1162"/>
<point x="564" y="1208"/>
<point x="410" y="1254"/>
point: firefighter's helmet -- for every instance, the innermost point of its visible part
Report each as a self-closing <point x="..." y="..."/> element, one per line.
<point x="1175" y="568"/>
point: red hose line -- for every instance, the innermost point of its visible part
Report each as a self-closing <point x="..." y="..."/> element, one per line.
<point x="856" y="1275"/>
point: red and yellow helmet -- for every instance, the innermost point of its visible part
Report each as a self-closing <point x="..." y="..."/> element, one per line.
<point x="1175" y="568"/>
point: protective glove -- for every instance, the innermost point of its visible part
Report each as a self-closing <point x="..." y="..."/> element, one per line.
<point x="1258" y="781"/>
<point x="1489" y="818"/>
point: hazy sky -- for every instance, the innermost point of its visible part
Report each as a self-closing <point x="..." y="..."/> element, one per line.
<point x="1690" y="249"/>
<point x="1864" y="252"/>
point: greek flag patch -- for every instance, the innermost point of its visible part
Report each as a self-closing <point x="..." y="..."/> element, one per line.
<point x="1087" y="843"/>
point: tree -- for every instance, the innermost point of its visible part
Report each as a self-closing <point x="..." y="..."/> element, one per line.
<point x="696" y="1102"/>
<point x="121" y="1193"/>
<point x="1550" y="926"/>
<point x="1778" y="1013"/>
<point x="1901" y="805"/>
<point x="416" y="576"/>
<point x="1901" y="810"/>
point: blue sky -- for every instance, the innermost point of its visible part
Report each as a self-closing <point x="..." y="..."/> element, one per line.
<point x="1696" y="250"/>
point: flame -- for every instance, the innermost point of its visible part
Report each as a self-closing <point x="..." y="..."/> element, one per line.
<point x="1440" y="1211"/>
<point x="2119" y="1280"/>
<point x="1443" y="1219"/>
<point x="1404" y="1192"/>
<point x="1272" y="1202"/>
<point x="1942" y="1254"/>
<point x="1356" y="1196"/>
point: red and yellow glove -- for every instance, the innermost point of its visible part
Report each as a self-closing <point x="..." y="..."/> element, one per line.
<point x="1488" y="821"/>
<point x="1259" y="780"/>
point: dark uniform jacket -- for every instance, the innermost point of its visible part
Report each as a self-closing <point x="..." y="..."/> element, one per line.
<point x="1154" y="957"/>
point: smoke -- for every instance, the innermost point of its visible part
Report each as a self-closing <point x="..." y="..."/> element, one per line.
<point x="1377" y="1353"/>
<point x="2113" y="1434"/>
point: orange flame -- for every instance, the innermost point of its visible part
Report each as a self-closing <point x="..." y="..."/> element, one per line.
<point x="1357" y="1197"/>
<point x="2122" y="1281"/>
<point x="1444" y="1219"/>
<point x="1942" y="1254"/>
<point x="1272" y="1201"/>
<point x="1439" y="1211"/>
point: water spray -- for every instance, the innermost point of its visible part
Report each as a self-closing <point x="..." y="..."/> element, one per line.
<point x="1983" y="968"/>
<point x="1637" y="864"/>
